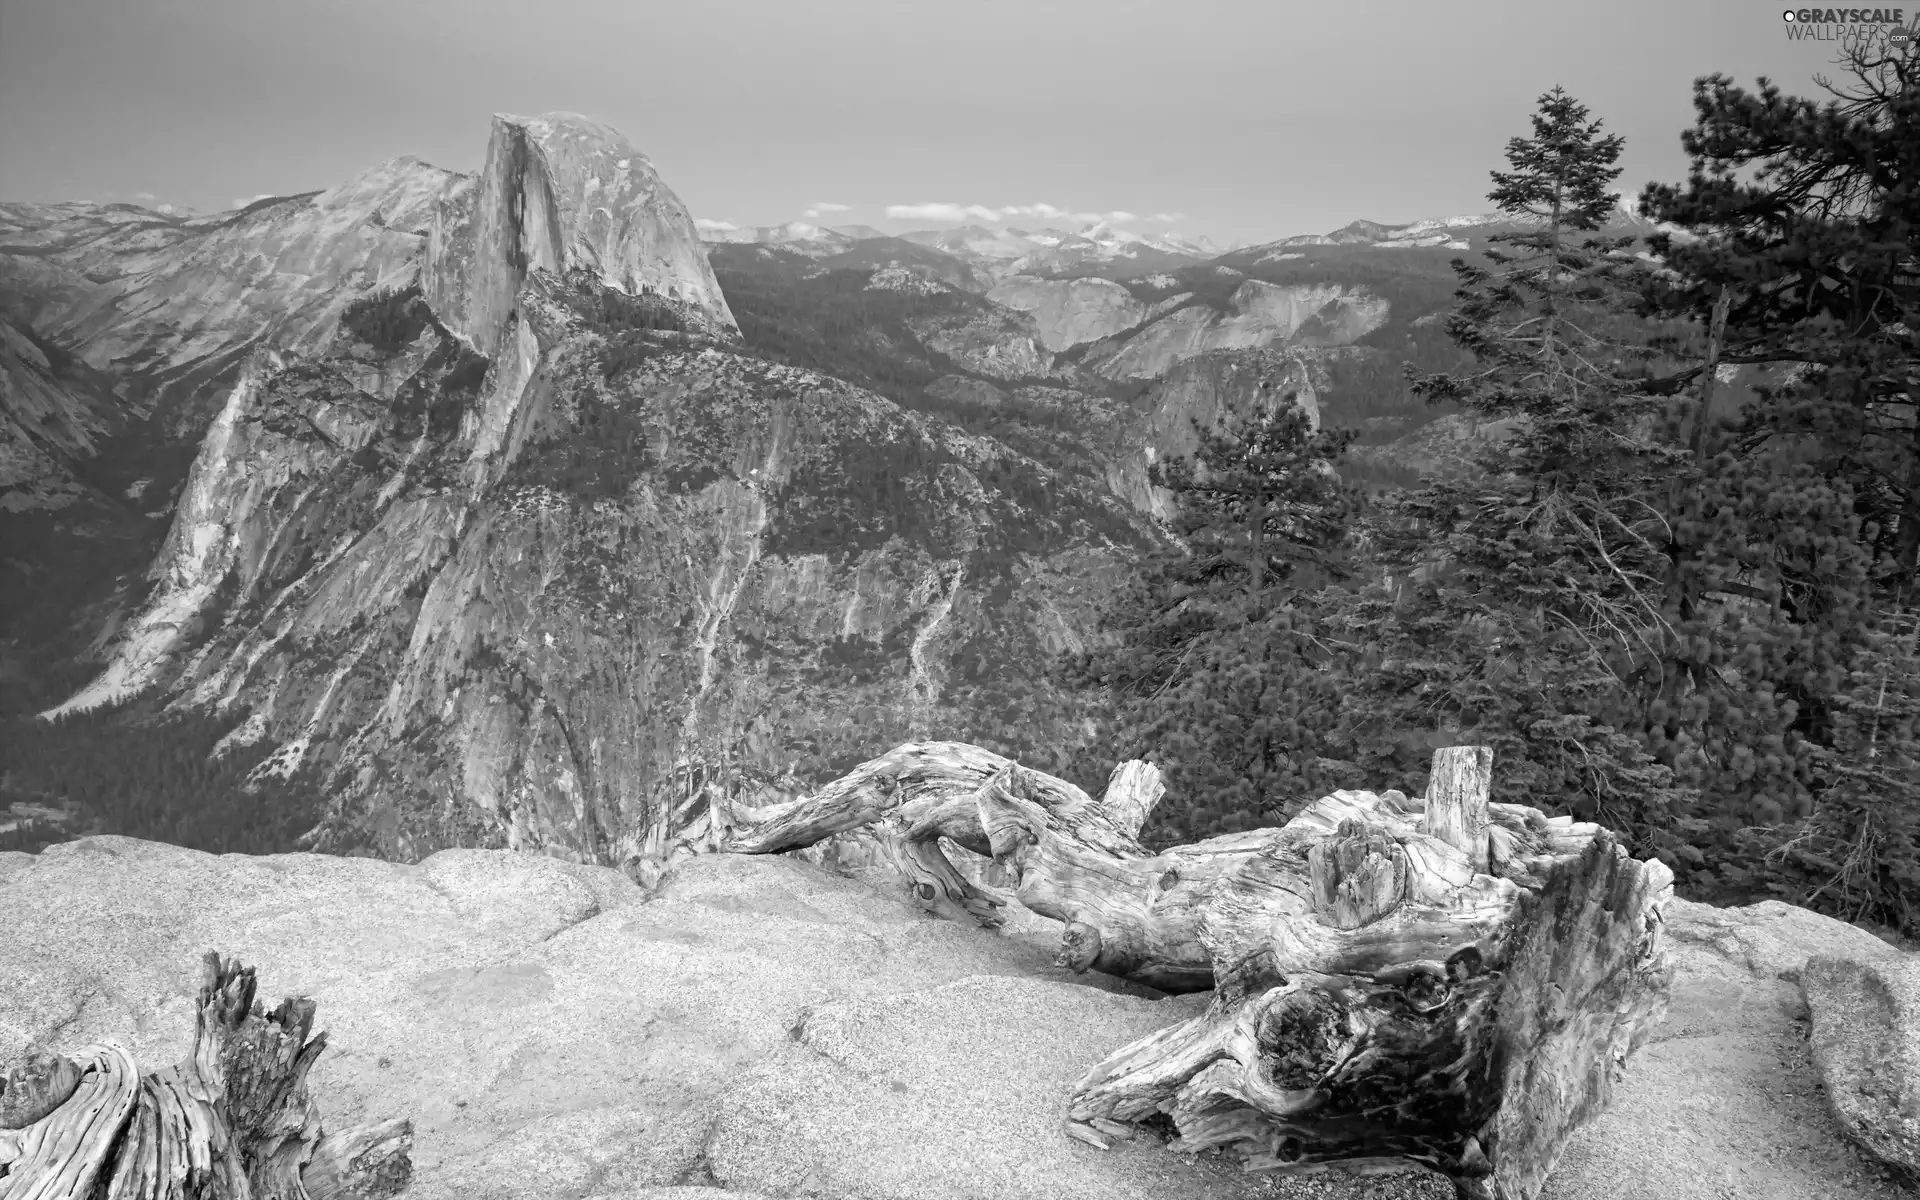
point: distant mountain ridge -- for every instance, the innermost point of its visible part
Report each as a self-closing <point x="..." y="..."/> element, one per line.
<point x="995" y="251"/>
<point x="1109" y="251"/>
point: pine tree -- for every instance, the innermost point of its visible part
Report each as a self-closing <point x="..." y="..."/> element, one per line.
<point x="1821" y="249"/>
<point x="1260" y="498"/>
<point x="1218" y="674"/>
<point x="1526" y="596"/>
<point x="1802" y="227"/>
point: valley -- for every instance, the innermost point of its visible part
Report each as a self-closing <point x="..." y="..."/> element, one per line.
<point x="502" y="510"/>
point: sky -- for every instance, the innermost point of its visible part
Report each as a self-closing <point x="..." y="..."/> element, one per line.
<point x="1244" y="121"/>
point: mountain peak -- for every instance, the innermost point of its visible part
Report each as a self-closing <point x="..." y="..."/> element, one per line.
<point x="565" y="193"/>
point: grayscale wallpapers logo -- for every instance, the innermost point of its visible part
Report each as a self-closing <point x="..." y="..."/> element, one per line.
<point x="1852" y="25"/>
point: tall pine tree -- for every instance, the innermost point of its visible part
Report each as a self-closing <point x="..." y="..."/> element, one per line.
<point x="1218" y="674"/>
<point x="1530" y="593"/>
<point x="1802" y="221"/>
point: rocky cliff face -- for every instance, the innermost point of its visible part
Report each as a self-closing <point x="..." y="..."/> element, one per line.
<point x="555" y="568"/>
<point x="995" y="342"/>
<point x="564" y="194"/>
<point x="1069" y="312"/>
<point x="1259" y="314"/>
<point x="171" y="306"/>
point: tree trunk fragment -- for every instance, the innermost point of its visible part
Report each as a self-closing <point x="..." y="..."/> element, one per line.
<point x="233" y="1121"/>
<point x="1446" y="981"/>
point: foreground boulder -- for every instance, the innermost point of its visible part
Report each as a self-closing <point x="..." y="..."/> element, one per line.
<point x="757" y="1026"/>
<point x="1866" y="1042"/>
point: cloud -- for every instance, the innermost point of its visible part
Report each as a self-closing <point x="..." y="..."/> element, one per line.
<point x="243" y="201"/>
<point x="824" y="207"/>
<point x="145" y="196"/>
<point x="941" y="212"/>
<point x="708" y="226"/>
<point x="1040" y="211"/>
<point x="1053" y="212"/>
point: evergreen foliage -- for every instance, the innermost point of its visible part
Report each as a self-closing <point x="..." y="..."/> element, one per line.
<point x="1219" y="675"/>
<point x="387" y="320"/>
<point x="1696" y="630"/>
<point x="130" y="771"/>
<point x="1803" y="239"/>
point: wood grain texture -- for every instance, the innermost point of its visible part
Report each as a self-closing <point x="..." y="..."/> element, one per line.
<point x="232" y="1121"/>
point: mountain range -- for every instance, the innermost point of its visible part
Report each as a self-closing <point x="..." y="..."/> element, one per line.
<point x="508" y="512"/>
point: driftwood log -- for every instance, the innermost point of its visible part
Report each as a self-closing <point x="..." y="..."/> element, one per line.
<point x="1445" y="981"/>
<point x="232" y="1121"/>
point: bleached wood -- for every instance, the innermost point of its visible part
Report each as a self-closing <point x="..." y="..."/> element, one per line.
<point x="1457" y="794"/>
<point x="233" y="1121"/>
<point x="1446" y="980"/>
<point x="1133" y="790"/>
<point x="35" y="1087"/>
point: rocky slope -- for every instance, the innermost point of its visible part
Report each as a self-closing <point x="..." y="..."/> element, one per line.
<point x="171" y="306"/>
<point x="1258" y="315"/>
<point x="54" y="412"/>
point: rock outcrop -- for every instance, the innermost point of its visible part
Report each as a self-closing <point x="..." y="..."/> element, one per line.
<point x="1069" y="312"/>
<point x="556" y="1032"/>
<point x="564" y="194"/>
<point x="994" y="341"/>
<point x="1866" y="1043"/>
<point x="1260" y="314"/>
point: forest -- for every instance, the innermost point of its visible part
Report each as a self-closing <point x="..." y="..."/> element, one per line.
<point x="133" y="770"/>
<point x="1691" y="621"/>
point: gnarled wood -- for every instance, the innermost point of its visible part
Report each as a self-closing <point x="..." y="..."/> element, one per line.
<point x="34" y="1088"/>
<point x="232" y="1121"/>
<point x="1446" y="980"/>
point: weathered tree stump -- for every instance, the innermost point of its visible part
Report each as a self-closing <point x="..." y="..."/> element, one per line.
<point x="233" y="1121"/>
<point x="1445" y="981"/>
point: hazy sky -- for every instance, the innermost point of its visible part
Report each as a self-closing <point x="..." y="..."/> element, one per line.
<point x="1251" y="120"/>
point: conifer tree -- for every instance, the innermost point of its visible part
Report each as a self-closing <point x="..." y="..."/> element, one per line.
<point x="1260" y="497"/>
<point x="1218" y="674"/>
<point x="1802" y="220"/>
<point x="1527" y="595"/>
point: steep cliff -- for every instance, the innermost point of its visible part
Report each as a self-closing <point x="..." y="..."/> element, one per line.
<point x="1068" y="312"/>
<point x="565" y="194"/>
